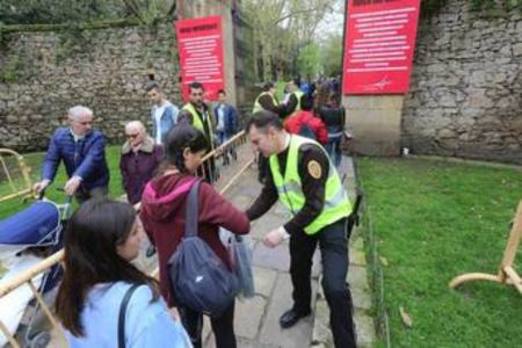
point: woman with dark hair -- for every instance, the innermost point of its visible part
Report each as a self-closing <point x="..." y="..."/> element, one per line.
<point x="163" y="216"/>
<point x="334" y="117"/>
<point x="102" y="238"/>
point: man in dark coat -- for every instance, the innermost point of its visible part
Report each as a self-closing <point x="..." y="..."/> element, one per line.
<point x="139" y="160"/>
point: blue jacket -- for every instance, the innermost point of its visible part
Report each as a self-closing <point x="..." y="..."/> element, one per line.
<point x="86" y="158"/>
<point x="230" y="118"/>
<point x="168" y="120"/>
<point x="147" y="323"/>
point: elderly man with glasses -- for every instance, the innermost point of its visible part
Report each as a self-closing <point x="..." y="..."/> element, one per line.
<point x="82" y="150"/>
<point x="139" y="160"/>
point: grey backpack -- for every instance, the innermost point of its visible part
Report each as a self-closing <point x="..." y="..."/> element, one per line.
<point x="199" y="279"/>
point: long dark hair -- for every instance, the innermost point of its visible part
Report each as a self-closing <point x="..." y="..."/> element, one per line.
<point x="323" y="97"/>
<point x="91" y="237"/>
<point x="181" y="137"/>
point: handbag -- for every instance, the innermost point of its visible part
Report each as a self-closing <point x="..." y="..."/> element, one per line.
<point x="240" y="251"/>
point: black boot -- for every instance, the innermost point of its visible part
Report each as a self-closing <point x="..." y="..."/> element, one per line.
<point x="291" y="317"/>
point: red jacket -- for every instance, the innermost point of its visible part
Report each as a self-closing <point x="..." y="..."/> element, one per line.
<point x="163" y="217"/>
<point x="294" y="123"/>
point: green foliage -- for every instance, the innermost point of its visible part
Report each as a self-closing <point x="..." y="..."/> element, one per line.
<point x="72" y="41"/>
<point x="331" y="55"/>
<point x="84" y="11"/>
<point x="14" y="69"/>
<point x="58" y="11"/>
<point x="431" y="7"/>
<point x="309" y="60"/>
<point x="434" y="221"/>
<point x="34" y="160"/>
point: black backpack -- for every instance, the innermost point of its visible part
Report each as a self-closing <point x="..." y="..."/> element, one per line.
<point x="199" y="279"/>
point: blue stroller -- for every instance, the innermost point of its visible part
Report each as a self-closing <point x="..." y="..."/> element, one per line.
<point x="26" y="238"/>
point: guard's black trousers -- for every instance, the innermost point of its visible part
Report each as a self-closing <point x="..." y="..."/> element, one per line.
<point x="333" y="244"/>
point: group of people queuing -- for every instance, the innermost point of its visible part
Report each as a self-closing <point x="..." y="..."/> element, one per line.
<point x="310" y="110"/>
<point x="105" y="301"/>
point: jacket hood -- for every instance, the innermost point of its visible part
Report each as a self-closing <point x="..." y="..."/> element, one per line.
<point x="164" y="196"/>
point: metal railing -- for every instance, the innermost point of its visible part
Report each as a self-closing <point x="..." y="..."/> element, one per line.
<point x="26" y="277"/>
<point x="19" y="187"/>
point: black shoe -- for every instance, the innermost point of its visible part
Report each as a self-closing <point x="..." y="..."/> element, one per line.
<point x="291" y="317"/>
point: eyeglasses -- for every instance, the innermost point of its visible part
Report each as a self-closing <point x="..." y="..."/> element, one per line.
<point x="132" y="136"/>
<point x="197" y="94"/>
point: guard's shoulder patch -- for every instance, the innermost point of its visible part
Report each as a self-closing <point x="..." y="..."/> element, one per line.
<point x="314" y="169"/>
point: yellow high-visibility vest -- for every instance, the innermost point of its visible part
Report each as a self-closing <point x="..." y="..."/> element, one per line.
<point x="290" y="192"/>
<point x="257" y="106"/>
<point x="197" y="122"/>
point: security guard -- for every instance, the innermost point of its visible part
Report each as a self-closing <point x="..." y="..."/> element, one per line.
<point x="294" y="100"/>
<point x="267" y="100"/>
<point x="302" y="177"/>
<point x="196" y="113"/>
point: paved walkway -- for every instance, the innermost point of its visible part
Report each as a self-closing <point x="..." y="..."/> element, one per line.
<point x="257" y="319"/>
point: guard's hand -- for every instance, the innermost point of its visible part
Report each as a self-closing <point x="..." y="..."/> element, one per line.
<point x="275" y="237"/>
<point x="72" y="185"/>
<point x="39" y="186"/>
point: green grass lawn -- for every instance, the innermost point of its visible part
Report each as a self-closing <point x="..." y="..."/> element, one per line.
<point x="433" y="221"/>
<point x="34" y="160"/>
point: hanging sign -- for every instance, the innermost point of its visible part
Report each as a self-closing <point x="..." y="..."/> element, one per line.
<point x="379" y="42"/>
<point x="200" y="47"/>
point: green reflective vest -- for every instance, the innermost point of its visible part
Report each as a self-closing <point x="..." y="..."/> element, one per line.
<point x="289" y="188"/>
<point x="197" y="122"/>
<point x="257" y="106"/>
<point x="298" y="94"/>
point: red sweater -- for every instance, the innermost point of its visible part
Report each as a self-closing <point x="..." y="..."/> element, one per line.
<point x="294" y="123"/>
<point x="163" y="217"/>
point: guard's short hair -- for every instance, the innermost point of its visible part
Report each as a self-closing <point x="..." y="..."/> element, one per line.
<point x="267" y="86"/>
<point x="222" y="91"/>
<point x="196" y="85"/>
<point x="264" y="119"/>
<point x="149" y="86"/>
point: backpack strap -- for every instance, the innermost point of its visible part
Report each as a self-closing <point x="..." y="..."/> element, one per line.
<point x="121" y="317"/>
<point x="192" y="211"/>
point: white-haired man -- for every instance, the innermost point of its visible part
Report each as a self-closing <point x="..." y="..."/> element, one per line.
<point x="82" y="150"/>
<point x="139" y="160"/>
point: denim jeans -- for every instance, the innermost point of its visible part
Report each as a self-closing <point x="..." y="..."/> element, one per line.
<point x="334" y="149"/>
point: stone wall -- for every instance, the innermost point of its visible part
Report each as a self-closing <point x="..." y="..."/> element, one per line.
<point x="466" y="91"/>
<point x="43" y="73"/>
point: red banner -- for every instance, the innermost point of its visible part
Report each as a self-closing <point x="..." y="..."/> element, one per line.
<point x="200" y="47"/>
<point x="378" y="46"/>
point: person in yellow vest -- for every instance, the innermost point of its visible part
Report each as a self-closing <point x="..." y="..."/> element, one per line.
<point x="267" y="100"/>
<point x="303" y="179"/>
<point x="197" y="113"/>
<point x="293" y="104"/>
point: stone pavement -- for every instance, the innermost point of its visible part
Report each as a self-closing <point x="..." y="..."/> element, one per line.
<point x="257" y="319"/>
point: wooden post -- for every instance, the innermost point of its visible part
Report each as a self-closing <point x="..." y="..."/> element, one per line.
<point x="506" y="274"/>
